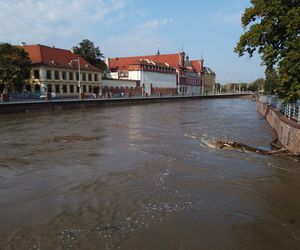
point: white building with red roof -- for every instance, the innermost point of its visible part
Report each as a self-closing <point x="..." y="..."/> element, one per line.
<point x="189" y="75"/>
<point x="154" y="77"/>
<point x="57" y="71"/>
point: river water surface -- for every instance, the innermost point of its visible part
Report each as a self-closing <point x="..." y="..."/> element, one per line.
<point x="145" y="177"/>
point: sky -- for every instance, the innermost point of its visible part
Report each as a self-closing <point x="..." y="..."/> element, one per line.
<point x="202" y="29"/>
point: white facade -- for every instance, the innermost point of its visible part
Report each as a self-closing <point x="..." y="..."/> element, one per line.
<point x="118" y="83"/>
<point x="156" y="80"/>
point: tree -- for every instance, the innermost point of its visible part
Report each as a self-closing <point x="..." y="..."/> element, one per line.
<point x="14" y="67"/>
<point x="89" y="52"/>
<point x="272" y="29"/>
<point x="218" y="87"/>
<point x="271" y="82"/>
<point x="256" y="85"/>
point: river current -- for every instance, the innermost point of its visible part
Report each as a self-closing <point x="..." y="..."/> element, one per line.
<point x="145" y="177"/>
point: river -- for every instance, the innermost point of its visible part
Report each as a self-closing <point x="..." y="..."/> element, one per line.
<point x="145" y="177"/>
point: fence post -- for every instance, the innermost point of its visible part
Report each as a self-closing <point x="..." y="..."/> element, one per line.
<point x="294" y="113"/>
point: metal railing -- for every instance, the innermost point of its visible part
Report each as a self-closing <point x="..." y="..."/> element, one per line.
<point x="290" y="110"/>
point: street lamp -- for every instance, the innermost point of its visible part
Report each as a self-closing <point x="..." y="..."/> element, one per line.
<point x="79" y="76"/>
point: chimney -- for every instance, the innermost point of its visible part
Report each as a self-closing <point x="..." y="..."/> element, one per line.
<point x="182" y="57"/>
<point x="201" y="62"/>
<point x="107" y="62"/>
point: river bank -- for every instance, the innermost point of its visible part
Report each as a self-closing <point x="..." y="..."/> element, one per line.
<point x="287" y="131"/>
<point x="61" y="104"/>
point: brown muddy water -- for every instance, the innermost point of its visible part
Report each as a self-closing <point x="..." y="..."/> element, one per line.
<point x="145" y="177"/>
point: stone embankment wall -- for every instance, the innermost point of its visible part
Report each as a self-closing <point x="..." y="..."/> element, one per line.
<point x="61" y="104"/>
<point x="288" y="132"/>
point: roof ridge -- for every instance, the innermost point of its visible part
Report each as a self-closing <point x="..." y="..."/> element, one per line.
<point x="154" y="55"/>
<point x="46" y="46"/>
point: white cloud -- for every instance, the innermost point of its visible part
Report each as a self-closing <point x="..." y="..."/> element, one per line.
<point x="47" y="21"/>
<point x="114" y="25"/>
<point x="141" y="39"/>
<point x="154" y="24"/>
<point x="232" y="19"/>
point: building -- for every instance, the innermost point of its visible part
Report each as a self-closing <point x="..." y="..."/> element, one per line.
<point x="188" y="79"/>
<point x="154" y="78"/>
<point x="61" y="72"/>
<point x="209" y="86"/>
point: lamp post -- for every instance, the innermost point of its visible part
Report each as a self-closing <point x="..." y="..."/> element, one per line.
<point x="79" y="76"/>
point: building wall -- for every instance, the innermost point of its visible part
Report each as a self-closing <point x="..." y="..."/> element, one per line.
<point x="135" y="75"/>
<point x="64" y="82"/>
<point x="194" y="90"/>
<point x="119" y="83"/>
<point x="151" y="80"/>
<point x="113" y="75"/>
<point x="209" y="83"/>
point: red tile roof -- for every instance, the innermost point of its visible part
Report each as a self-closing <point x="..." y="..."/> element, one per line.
<point x="54" y="57"/>
<point x="151" y="63"/>
<point x="122" y="63"/>
<point x="198" y="65"/>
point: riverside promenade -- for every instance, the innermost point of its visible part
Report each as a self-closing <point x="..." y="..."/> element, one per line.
<point x="61" y="104"/>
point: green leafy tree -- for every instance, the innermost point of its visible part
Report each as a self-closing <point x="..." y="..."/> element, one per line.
<point x="272" y="29"/>
<point x="218" y="87"/>
<point x="89" y="52"/>
<point x="256" y="85"/>
<point x="14" y="67"/>
<point x="244" y="86"/>
<point x="271" y="82"/>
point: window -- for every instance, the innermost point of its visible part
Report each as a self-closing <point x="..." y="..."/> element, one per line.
<point x="90" y="77"/>
<point x="56" y="75"/>
<point x="77" y="76"/>
<point x="37" y="88"/>
<point x="95" y="77"/>
<point x="84" y="88"/>
<point x="71" y="88"/>
<point x="90" y="89"/>
<point x="64" y="75"/>
<point x="57" y="90"/>
<point x="83" y="77"/>
<point x="36" y="74"/>
<point x="49" y="75"/>
<point x="71" y="76"/>
<point x="49" y="87"/>
<point x="64" y="88"/>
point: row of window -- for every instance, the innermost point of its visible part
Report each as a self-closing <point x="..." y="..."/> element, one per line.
<point x="63" y="75"/>
<point x="58" y="89"/>
<point x="158" y="68"/>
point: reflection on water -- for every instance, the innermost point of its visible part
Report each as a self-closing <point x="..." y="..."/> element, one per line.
<point x="145" y="177"/>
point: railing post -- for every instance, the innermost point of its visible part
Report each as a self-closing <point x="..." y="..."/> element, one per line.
<point x="294" y="113"/>
<point x="290" y="111"/>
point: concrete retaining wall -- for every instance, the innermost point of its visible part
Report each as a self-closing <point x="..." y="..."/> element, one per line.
<point x="288" y="132"/>
<point x="31" y="106"/>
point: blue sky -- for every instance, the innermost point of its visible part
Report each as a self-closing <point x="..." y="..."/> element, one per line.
<point x="137" y="27"/>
